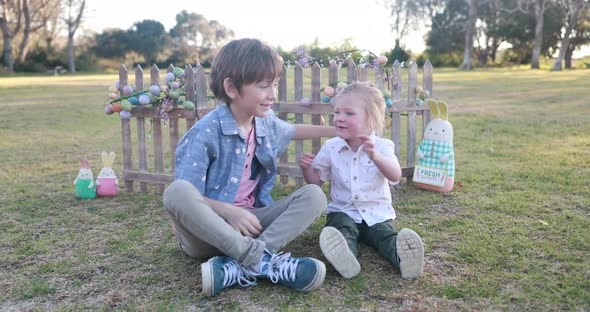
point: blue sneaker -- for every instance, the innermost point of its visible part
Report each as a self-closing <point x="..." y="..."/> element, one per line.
<point x="305" y="274"/>
<point x="223" y="272"/>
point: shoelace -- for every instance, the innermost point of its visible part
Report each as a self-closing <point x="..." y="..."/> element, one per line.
<point x="233" y="273"/>
<point x="282" y="267"/>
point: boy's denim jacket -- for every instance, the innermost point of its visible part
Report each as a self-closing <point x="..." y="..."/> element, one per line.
<point x="211" y="155"/>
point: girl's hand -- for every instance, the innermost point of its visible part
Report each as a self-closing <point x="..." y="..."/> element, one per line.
<point x="368" y="146"/>
<point x="306" y="160"/>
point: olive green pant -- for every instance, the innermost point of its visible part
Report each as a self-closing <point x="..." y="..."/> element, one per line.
<point x="381" y="236"/>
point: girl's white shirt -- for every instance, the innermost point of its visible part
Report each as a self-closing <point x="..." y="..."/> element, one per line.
<point x="357" y="186"/>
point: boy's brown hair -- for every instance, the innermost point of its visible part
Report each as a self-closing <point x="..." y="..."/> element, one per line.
<point x="244" y="61"/>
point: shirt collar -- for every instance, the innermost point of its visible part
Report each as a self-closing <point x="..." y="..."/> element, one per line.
<point x="229" y="125"/>
<point x="341" y="144"/>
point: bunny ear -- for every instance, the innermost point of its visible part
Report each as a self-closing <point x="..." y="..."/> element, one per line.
<point x="104" y="159"/>
<point x="433" y="108"/>
<point x="443" y="109"/>
<point x="111" y="158"/>
<point x="81" y="160"/>
<point x="84" y="163"/>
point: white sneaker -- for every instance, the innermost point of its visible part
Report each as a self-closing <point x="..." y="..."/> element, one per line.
<point x="410" y="251"/>
<point x="335" y="249"/>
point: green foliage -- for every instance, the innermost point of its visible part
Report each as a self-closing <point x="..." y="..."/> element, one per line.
<point x="397" y="53"/>
<point x="113" y="43"/>
<point x="150" y="39"/>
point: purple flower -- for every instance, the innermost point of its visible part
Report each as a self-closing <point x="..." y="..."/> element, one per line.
<point x="304" y="61"/>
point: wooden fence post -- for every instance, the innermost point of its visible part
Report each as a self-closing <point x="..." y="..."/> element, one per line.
<point x="157" y="132"/>
<point x="412" y="82"/>
<point x="126" y="132"/>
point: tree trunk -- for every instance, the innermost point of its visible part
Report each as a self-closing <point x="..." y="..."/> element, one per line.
<point x="71" y="57"/>
<point x="565" y="41"/>
<point x="24" y="45"/>
<point x="568" y="57"/>
<point x="469" y="32"/>
<point x="538" y="41"/>
<point x="7" y="52"/>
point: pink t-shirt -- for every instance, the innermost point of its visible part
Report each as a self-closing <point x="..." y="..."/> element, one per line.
<point x="245" y="195"/>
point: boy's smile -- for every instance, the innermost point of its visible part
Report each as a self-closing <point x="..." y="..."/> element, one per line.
<point x="254" y="99"/>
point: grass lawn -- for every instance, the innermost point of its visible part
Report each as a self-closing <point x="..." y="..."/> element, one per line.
<point x="514" y="235"/>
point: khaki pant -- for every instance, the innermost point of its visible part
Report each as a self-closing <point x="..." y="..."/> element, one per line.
<point x="203" y="233"/>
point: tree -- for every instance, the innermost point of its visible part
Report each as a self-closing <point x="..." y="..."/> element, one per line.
<point x="469" y="33"/>
<point x="75" y="10"/>
<point x="580" y="37"/>
<point x="36" y="14"/>
<point x="196" y="39"/>
<point x="10" y="23"/>
<point x="573" y="8"/>
<point x="112" y="43"/>
<point x="149" y="38"/>
<point x="444" y="40"/>
<point x="539" y="11"/>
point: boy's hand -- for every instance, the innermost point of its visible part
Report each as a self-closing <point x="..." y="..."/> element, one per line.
<point x="244" y="222"/>
<point x="306" y="160"/>
<point x="368" y="146"/>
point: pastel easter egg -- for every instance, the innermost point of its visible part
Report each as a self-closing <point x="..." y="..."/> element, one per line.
<point x="170" y="77"/>
<point x="419" y="102"/>
<point x="175" y="85"/>
<point x="153" y="99"/>
<point x="178" y="72"/>
<point x="107" y="110"/>
<point x="134" y="100"/>
<point x="424" y="94"/>
<point x="332" y="102"/>
<point x="125" y="115"/>
<point x="155" y="90"/>
<point x="116" y="107"/>
<point x="189" y="105"/>
<point x="127" y="90"/>
<point x="174" y="94"/>
<point x="305" y="102"/>
<point x="180" y="101"/>
<point x="418" y="89"/>
<point x="382" y="59"/>
<point x="144" y="99"/>
<point x="126" y="105"/>
<point x="113" y="95"/>
<point x="117" y="84"/>
<point x="388" y="102"/>
<point x="329" y="91"/>
<point x="386" y="93"/>
<point x="326" y="99"/>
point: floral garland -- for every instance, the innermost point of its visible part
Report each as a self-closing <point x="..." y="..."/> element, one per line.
<point x="368" y="59"/>
<point x="163" y="97"/>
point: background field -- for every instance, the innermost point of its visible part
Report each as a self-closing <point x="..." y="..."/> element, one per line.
<point x="513" y="234"/>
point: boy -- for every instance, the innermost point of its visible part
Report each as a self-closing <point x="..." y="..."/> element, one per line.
<point x="220" y="202"/>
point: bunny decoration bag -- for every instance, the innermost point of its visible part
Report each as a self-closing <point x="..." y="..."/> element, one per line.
<point x="106" y="182"/>
<point x="435" y="168"/>
<point x="85" y="186"/>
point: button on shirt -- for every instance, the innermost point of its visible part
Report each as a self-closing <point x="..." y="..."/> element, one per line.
<point x="212" y="154"/>
<point x="357" y="186"/>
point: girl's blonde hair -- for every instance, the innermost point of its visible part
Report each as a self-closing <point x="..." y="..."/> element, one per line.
<point x="373" y="101"/>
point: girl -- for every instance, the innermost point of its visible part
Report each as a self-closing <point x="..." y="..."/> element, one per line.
<point x="358" y="164"/>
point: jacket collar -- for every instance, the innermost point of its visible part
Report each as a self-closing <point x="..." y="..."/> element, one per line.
<point x="229" y="125"/>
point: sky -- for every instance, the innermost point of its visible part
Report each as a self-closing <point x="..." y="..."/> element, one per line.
<point x="287" y="24"/>
<point x="279" y="23"/>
